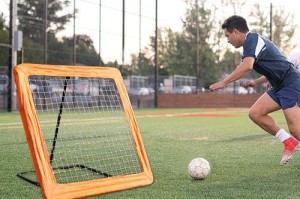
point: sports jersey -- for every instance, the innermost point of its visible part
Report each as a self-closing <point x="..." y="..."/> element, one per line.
<point x="269" y="61"/>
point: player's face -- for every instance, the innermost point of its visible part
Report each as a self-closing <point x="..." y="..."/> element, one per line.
<point x="233" y="38"/>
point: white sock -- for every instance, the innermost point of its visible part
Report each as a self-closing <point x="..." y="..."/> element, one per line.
<point x="282" y="135"/>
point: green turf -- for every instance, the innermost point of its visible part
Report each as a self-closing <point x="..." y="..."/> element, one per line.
<point x="244" y="159"/>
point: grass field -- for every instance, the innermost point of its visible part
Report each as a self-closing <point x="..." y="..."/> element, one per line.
<point x="244" y="159"/>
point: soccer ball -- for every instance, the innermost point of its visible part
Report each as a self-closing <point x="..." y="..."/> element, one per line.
<point x="199" y="168"/>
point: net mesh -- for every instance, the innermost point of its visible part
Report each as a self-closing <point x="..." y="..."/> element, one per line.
<point x="85" y="128"/>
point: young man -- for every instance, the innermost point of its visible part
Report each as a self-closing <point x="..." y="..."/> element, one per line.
<point x="263" y="56"/>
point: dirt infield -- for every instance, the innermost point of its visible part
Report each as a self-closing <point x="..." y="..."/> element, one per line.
<point x="213" y="113"/>
<point x="187" y="115"/>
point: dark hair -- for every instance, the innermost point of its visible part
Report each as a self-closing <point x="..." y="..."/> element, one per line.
<point x="235" y="22"/>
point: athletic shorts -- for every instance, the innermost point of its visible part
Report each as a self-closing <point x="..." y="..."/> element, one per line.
<point x="288" y="96"/>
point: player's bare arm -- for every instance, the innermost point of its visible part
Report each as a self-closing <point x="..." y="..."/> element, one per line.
<point x="241" y="70"/>
<point x="252" y="83"/>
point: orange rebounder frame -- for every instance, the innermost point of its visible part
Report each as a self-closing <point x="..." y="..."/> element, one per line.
<point x="44" y="170"/>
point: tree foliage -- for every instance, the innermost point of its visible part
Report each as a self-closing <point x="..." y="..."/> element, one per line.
<point x="284" y="29"/>
<point x="59" y="50"/>
<point x="206" y="55"/>
<point x="4" y="35"/>
<point x="32" y="17"/>
<point x="177" y="51"/>
<point x="85" y="50"/>
<point x="283" y="26"/>
<point x="141" y="65"/>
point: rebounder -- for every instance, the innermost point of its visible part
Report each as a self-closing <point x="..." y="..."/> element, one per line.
<point x="81" y="131"/>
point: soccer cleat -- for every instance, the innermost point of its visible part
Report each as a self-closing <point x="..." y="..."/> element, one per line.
<point x="291" y="146"/>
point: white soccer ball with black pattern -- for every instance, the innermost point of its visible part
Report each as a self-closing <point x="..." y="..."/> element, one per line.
<point x="199" y="168"/>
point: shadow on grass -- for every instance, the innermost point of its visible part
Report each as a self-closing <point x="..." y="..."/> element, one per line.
<point x="247" y="138"/>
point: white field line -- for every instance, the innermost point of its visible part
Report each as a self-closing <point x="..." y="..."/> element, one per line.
<point x="223" y="111"/>
<point x="10" y="125"/>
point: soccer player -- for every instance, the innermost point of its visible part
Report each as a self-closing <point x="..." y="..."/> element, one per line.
<point x="262" y="56"/>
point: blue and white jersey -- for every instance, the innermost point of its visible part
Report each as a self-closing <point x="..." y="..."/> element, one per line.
<point x="269" y="61"/>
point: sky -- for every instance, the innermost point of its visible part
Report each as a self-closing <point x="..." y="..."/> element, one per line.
<point x="111" y="24"/>
<point x="108" y="30"/>
<point x="87" y="22"/>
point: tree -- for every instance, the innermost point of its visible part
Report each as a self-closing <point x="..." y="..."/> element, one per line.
<point x="31" y="16"/>
<point x="32" y="52"/>
<point x="177" y="51"/>
<point x="284" y="29"/>
<point x="4" y="35"/>
<point x="85" y="51"/>
<point x="2" y="22"/>
<point x="229" y="62"/>
<point x="141" y="65"/>
<point x="182" y="55"/>
<point x="260" y="23"/>
<point x="59" y="51"/>
<point x="169" y="56"/>
<point x="283" y="24"/>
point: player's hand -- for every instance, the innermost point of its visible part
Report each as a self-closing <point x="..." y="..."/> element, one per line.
<point x="216" y="86"/>
<point x="269" y="86"/>
<point x="249" y="83"/>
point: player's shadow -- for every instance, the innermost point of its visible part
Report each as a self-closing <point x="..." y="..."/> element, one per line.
<point x="247" y="138"/>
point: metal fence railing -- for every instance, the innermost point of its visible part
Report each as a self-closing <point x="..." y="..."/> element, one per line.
<point x="141" y="88"/>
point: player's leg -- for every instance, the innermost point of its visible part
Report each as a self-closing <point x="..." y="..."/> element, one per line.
<point x="290" y="99"/>
<point x="292" y="116"/>
<point x="259" y="114"/>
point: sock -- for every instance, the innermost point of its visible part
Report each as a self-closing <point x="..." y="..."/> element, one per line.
<point x="282" y="135"/>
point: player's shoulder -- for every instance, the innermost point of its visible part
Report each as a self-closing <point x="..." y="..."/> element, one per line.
<point x="253" y="38"/>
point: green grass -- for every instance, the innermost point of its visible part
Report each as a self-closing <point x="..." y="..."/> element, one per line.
<point x="244" y="159"/>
